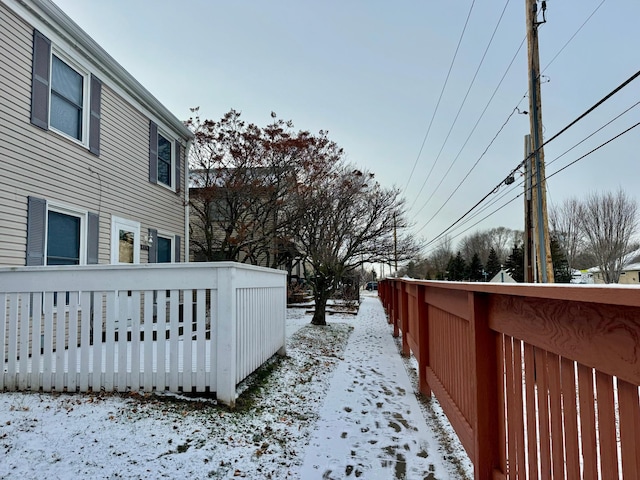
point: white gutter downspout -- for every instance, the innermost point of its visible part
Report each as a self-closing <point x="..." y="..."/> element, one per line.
<point x="186" y="200"/>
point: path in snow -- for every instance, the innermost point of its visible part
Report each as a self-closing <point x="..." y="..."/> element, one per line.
<point x="371" y="425"/>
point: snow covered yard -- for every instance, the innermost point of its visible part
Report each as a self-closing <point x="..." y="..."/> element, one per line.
<point x="283" y="414"/>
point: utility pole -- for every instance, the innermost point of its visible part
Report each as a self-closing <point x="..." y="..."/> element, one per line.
<point x="539" y="193"/>
<point x="395" y="242"/>
<point x="529" y="250"/>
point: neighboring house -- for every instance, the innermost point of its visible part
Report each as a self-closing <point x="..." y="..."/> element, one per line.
<point x="93" y="166"/>
<point x="630" y="275"/>
<point x="240" y="220"/>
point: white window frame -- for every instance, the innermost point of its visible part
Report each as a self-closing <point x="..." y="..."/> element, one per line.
<point x="172" y="238"/>
<point x="86" y="85"/>
<point x="74" y="212"/>
<point x="172" y="168"/>
<point x="116" y="223"/>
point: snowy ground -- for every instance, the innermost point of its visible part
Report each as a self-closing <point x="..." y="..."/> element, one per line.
<point x="341" y="404"/>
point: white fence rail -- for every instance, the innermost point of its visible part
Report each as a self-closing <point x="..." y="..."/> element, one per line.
<point x="177" y="327"/>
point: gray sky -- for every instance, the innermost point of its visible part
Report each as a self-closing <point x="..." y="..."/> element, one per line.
<point x="371" y="73"/>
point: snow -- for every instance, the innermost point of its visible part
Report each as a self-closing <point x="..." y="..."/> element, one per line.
<point x="341" y="404"/>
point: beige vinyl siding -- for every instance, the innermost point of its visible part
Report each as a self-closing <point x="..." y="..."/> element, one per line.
<point x="48" y="165"/>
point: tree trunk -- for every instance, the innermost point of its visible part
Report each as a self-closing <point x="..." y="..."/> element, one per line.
<point x="319" y="313"/>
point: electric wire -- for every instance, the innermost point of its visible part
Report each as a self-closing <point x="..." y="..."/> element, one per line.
<point x="582" y="157"/>
<point x="550" y="162"/>
<point x="462" y="104"/>
<point x="562" y="131"/>
<point x="486" y="107"/>
<point x="444" y="86"/>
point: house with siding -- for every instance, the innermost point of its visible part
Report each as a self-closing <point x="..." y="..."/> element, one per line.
<point x="93" y="166"/>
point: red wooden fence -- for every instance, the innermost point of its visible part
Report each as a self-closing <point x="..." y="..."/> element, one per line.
<point x="538" y="381"/>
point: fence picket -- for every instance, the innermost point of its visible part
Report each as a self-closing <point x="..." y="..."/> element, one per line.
<point x="24" y="335"/>
<point x="60" y="330"/>
<point x="72" y="339"/>
<point x="148" y="342"/>
<point x="134" y="344"/>
<point x="85" y="347"/>
<point x="110" y="340"/>
<point x="187" y="343"/>
<point x="12" y="340"/>
<point x="201" y="340"/>
<point x="98" y="325"/>
<point x="174" y="334"/>
<point x="47" y="349"/>
<point x="3" y="335"/>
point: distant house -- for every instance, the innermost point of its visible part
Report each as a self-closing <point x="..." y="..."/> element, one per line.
<point x="503" y="276"/>
<point x="93" y="166"/>
<point x="630" y="275"/>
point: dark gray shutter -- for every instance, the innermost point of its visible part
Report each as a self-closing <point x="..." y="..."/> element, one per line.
<point x="153" y="247"/>
<point x="178" y="249"/>
<point x="153" y="152"/>
<point x="94" y="121"/>
<point x="40" y="80"/>
<point x="36" y="223"/>
<point x="178" y="163"/>
<point x="93" y="236"/>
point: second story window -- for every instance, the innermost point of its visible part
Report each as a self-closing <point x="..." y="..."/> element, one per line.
<point x="67" y="99"/>
<point x="165" y="154"/>
<point x="165" y="161"/>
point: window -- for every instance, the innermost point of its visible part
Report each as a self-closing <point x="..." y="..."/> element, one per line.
<point x="63" y="238"/>
<point x="165" y="160"/>
<point x="163" y="247"/>
<point x="66" y="113"/>
<point x="60" y="235"/>
<point x="64" y="97"/>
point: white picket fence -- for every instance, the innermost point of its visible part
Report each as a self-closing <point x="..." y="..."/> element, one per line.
<point x="200" y="327"/>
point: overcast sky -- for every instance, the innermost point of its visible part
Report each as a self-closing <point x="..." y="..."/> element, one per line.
<point x="371" y="73"/>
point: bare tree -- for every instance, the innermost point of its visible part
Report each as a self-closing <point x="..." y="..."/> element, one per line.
<point x="346" y="219"/>
<point x="566" y="226"/>
<point x="439" y="259"/>
<point x="241" y="175"/>
<point x="609" y="222"/>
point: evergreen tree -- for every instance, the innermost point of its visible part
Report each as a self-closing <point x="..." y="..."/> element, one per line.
<point x="561" y="270"/>
<point x="493" y="264"/>
<point x="476" y="269"/>
<point x="457" y="268"/>
<point x="515" y="264"/>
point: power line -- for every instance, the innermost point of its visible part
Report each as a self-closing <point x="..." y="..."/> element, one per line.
<point x="455" y="55"/>
<point x="481" y="116"/>
<point x="464" y="100"/>
<point x="562" y="131"/>
<point x="582" y="157"/>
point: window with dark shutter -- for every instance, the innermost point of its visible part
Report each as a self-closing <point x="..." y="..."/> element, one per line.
<point x="93" y="235"/>
<point x="178" y="161"/>
<point x="40" y="80"/>
<point x="94" y="121"/>
<point x="36" y="222"/>
<point x="177" y="247"/>
<point x="153" y="152"/>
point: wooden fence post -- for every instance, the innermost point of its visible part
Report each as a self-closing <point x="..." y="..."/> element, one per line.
<point x="403" y="310"/>
<point x="226" y="333"/>
<point x="484" y="345"/>
<point x="423" y="340"/>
